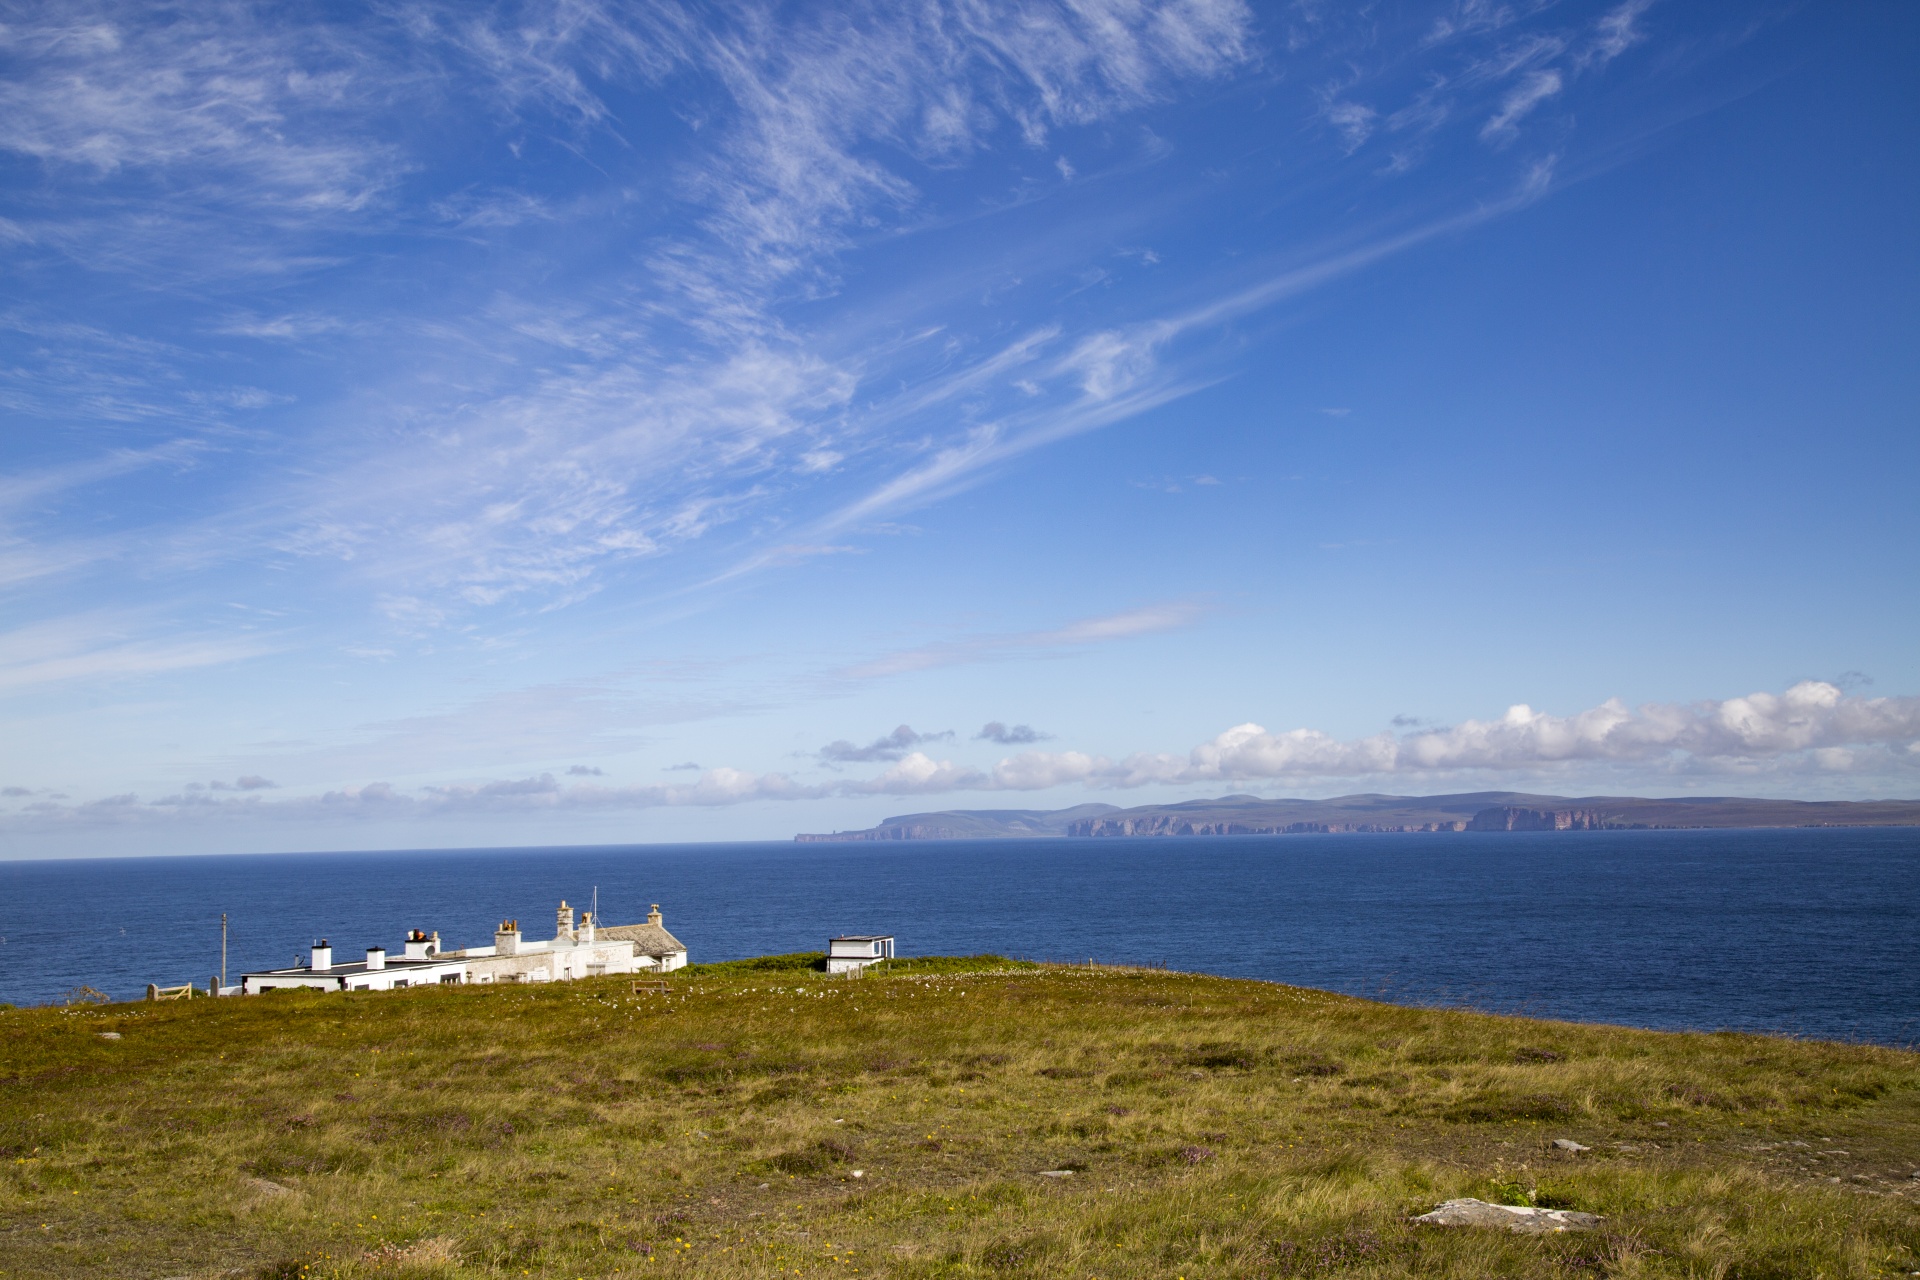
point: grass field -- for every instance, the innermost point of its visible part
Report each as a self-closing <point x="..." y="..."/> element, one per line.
<point x="769" y="1121"/>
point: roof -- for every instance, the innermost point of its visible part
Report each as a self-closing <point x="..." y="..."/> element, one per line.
<point x="649" y="939"/>
<point x="861" y="937"/>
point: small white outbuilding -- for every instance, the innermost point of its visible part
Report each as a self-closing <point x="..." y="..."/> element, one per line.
<point x="854" y="952"/>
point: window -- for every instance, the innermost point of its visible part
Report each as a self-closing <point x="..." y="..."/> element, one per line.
<point x="445" y="978"/>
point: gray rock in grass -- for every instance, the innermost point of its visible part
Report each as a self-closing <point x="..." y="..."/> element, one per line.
<point x="1507" y="1217"/>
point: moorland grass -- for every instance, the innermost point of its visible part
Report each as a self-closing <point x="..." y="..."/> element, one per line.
<point x="762" y="1119"/>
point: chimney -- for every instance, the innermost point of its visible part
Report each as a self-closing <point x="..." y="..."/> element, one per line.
<point x="433" y="944"/>
<point x="506" y="939"/>
<point x="586" y="928"/>
<point x="322" y="955"/>
<point x="653" y="916"/>
<point x="418" y="945"/>
<point x="376" y="958"/>
<point x="563" y="923"/>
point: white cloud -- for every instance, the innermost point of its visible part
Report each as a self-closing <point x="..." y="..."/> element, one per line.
<point x="1616" y="32"/>
<point x="1534" y="89"/>
<point x="1354" y="121"/>
<point x="1762" y="728"/>
<point x="892" y="746"/>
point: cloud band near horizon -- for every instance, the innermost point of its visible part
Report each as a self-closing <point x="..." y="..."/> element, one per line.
<point x="1811" y="728"/>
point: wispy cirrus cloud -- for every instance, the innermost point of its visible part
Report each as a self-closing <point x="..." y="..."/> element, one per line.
<point x="584" y="437"/>
<point x="634" y="421"/>
<point x="594" y="719"/>
<point x="214" y="88"/>
<point x="103" y="647"/>
<point x="1520" y="101"/>
<point x="1146" y="620"/>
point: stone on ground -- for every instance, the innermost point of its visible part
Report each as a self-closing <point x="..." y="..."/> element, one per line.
<point x="1508" y="1217"/>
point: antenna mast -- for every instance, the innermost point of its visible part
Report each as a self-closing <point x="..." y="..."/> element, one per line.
<point x="223" y="950"/>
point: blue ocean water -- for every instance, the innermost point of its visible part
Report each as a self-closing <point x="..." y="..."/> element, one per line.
<point x="1809" y="932"/>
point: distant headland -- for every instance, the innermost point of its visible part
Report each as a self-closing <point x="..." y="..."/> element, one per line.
<point x="1472" y="811"/>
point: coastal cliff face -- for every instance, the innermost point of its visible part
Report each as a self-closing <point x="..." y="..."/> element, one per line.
<point x="1168" y="824"/>
<point x="967" y="824"/>
<point x="1511" y="819"/>
<point x="1243" y="815"/>
<point x="1505" y="818"/>
<point x="896" y="831"/>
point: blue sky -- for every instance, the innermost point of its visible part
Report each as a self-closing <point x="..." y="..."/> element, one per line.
<point x="444" y="424"/>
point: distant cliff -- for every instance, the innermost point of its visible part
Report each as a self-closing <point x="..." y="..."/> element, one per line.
<point x="971" y="824"/>
<point x="1473" y="811"/>
<point x="1512" y="819"/>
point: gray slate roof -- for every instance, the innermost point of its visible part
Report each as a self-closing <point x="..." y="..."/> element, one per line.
<point x="651" y="939"/>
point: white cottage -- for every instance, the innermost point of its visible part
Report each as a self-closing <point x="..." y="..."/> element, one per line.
<point x="576" y="951"/>
<point x="658" y="950"/>
<point x="853" y="953"/>
<point x="582" y="950"/>
<point x="420" y="965"/>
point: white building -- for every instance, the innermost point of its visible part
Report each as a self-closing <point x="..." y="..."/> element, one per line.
<point x="659" y="950"/>
<point x="576" y="951"/>
<point x="582" y="951"/>
<point x="421" y="965"/>
<point x="853" y="953"/>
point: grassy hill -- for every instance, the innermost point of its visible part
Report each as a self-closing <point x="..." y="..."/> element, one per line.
<point x="761" y="1119"/>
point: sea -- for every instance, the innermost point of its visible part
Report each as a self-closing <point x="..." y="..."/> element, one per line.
<point x="1812" y="933"/>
